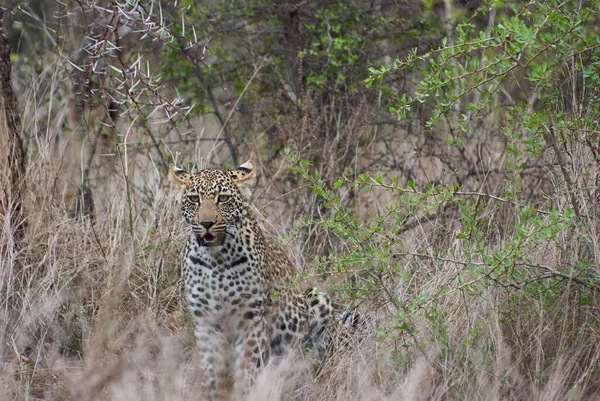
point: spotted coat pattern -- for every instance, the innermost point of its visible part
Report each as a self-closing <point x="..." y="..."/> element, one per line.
<point x="238" y="285"/>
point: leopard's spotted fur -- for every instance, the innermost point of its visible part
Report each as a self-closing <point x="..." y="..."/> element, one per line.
<point x="237" y="284"/>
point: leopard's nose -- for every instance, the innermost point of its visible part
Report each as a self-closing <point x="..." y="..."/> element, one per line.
<point x="207" y="224"/>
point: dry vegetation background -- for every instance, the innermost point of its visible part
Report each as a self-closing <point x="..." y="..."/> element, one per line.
<point x="450" y="193"/>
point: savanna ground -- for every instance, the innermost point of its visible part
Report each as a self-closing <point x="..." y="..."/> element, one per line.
<point x="434" y="164"/>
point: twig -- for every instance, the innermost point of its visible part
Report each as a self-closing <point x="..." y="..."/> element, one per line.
<point x="561" y="162"/>
<point x="551" y="271"/>
<point x="256" y="70"/>
<point x="460" y="193"/>
<point x="211" y="97"/>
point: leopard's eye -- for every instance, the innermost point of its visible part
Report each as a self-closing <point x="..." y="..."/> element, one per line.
<point x="223" y="198"/>
<point x="193" y="198"/>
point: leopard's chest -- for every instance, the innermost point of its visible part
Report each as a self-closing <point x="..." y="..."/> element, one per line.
<point x="223" y="282"/>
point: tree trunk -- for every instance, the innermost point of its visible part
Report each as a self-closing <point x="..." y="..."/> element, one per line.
<point x="12" y="146"/>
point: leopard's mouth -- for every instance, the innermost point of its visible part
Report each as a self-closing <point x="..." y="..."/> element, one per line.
<point x="209" y="239"/>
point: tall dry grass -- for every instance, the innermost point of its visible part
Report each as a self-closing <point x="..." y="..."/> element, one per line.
<point x="93" y="310"/>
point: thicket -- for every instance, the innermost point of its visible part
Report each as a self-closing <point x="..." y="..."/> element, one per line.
<point x="433" y="164"/>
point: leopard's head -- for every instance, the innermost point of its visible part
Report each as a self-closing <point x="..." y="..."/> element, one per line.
<point x="214" y="199"/>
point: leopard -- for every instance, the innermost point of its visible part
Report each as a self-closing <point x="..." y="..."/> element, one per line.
<point x="240" y="285"/>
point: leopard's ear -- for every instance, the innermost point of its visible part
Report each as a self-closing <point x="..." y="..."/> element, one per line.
<point x="180" y="176"/>
<point x="245" y="178"/>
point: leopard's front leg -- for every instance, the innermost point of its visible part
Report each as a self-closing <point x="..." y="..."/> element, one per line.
<point x="213" y="349"/>
<point x="250" y="356"/>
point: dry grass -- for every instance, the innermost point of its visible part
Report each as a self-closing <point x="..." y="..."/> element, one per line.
<point x="93" y="311"/>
